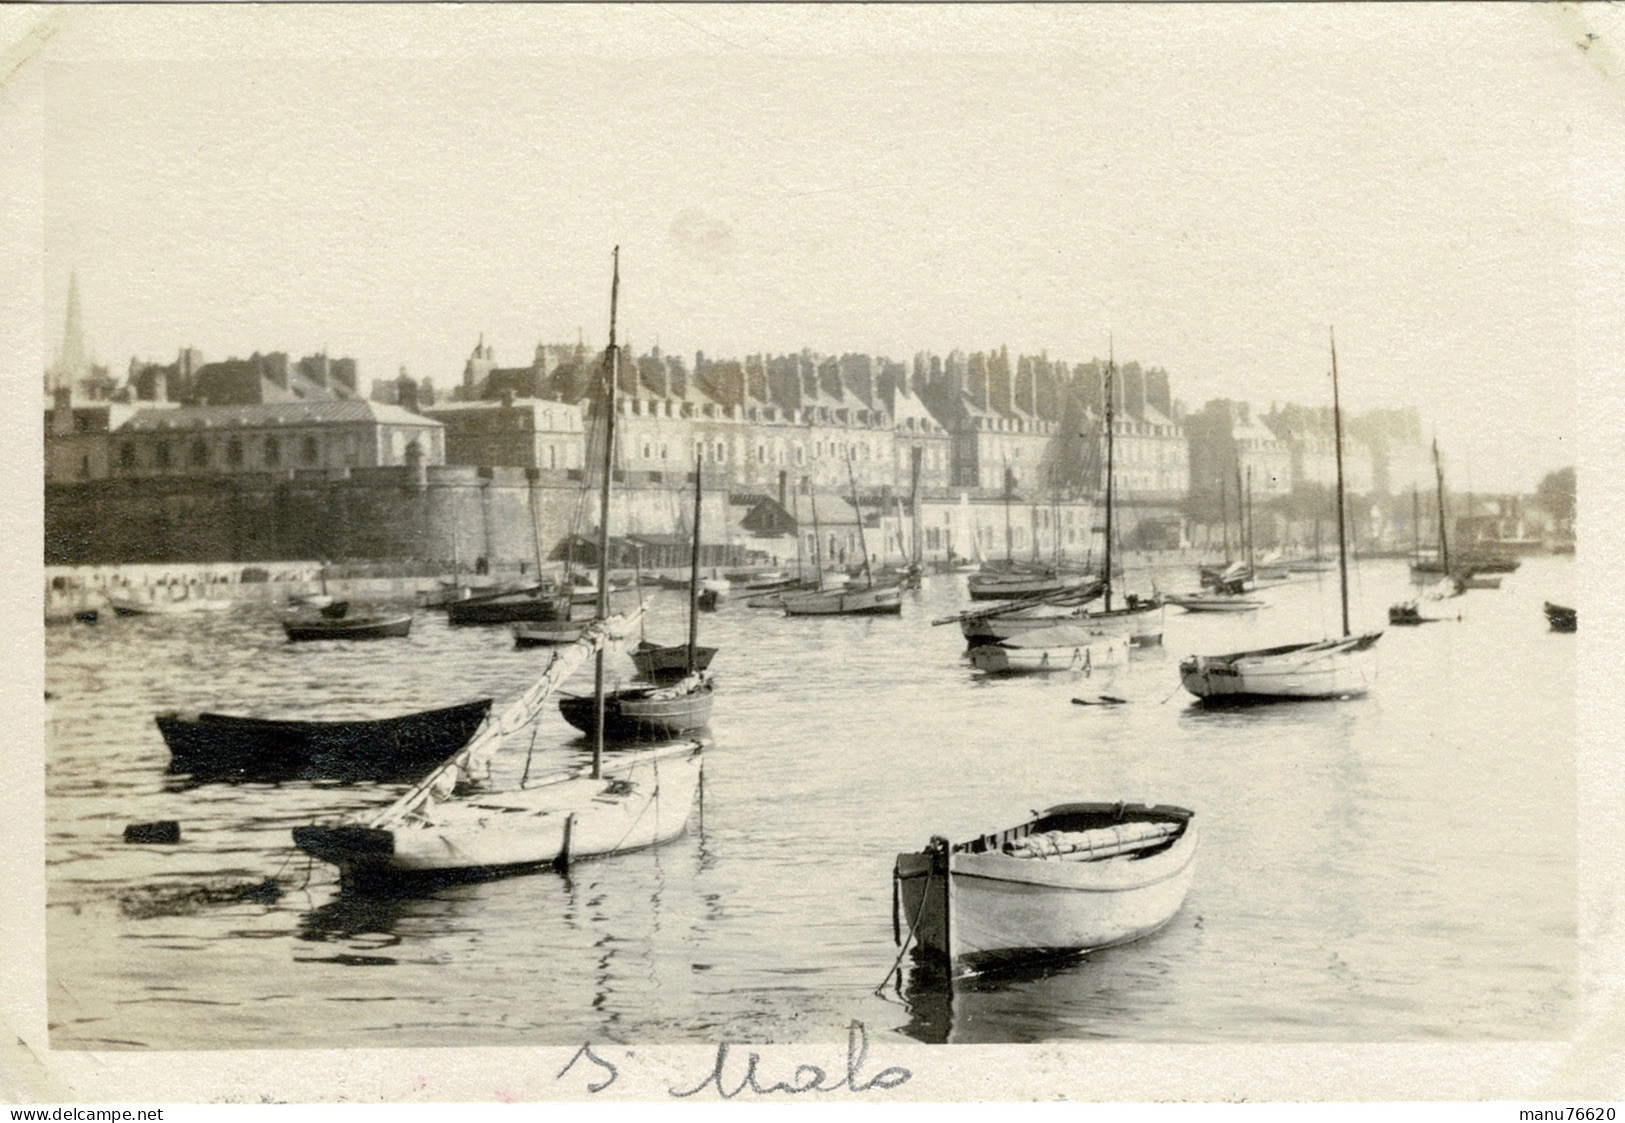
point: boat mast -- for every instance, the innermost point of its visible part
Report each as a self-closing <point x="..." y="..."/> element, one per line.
<point x="818" y="549"/>
<point x="1444" y="538"/>
<point x="797" y="520"/>
<point x="852" y="480"/>
<point x="694" y="569"/>
<point x="613" y="368"/>
<point x="1009" y="535"/>
<point x="1249" y="516"/>
<point x="1241" y="517"/>
<point x="1224" y="516"/>
<point x="917" y="454"/>
<point x="1416" y="526"/>
<point x="1342" y="540"/>
<point x="1110" y="492"/>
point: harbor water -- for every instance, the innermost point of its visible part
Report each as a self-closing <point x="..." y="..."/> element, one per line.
<point x="1399" y="867"/>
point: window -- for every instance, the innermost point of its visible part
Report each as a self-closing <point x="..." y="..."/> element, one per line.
<point x="234" y="453"/>
<point x="721" y="452"/>
<point x="161" y="454"/>
<point x="84" y="467"/>
<point x="273" y="452"/>
<point x="308" y="452"/>
<point x="648" y="451"/>
<point x="126" y="456"/>
<point x="801" y="455"/>
<point x="663" y="452"/>
<point x="200" y="455"/>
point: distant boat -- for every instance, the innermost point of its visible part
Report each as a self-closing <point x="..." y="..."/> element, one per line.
<point x="661" y="664"/>
<point x="677" y="661"/>
<point x="539" y="602"/>
<point x="351" y="628"/>
<point x="1330" y="668"/>
<point x="555" y="633"/>
<point x="1075" y="878"/>
<point x="1562" y="619"/>
<point x="135" y="606"/>
<point x="646" y="713"/>
<point x="1004" y="586"/>
<point x="1047" y="650"/>
<point x="868" y="599"/>
<point x="1409" y="615"/>
<point x="219" y="746"/>
<point x="1213" y="602"/>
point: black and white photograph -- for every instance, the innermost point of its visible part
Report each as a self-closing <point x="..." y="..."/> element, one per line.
<point x="724" y="548"/>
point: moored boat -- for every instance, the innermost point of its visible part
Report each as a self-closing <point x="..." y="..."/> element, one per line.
<point x="555" y="633"/>
<point x="877" y="600"/>
<point x="1050" y="650"/>
<point x="125" y="605"/>
<point x="1562" y="619"/>
<point x="403" y="747"/>
<point x="1075" y="878"/>
<point x="1409" y="615"/>
<point x="664" y="663"/>
<point x="645" y="713"/>
<point x="1344" y="667"/>
<point x="537" y="603"/>
<point x="1213" y="602"/>
<point x="349" y="627"/>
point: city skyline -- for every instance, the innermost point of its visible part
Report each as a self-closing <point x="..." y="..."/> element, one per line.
<point x="1046" y="181"/>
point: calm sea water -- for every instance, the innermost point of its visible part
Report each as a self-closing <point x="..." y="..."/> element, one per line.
<point x="1396" y="868"/>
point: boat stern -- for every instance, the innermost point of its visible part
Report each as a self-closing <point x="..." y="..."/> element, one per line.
<point x="346" y="847"/>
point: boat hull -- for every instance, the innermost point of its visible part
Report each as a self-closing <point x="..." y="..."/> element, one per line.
<point x="506" y="608"/>
<point x="1562" y="619"/>
<point x="1343" y="668"/>
<point x="882" y="601"/>
<point x="130" y="606"/>
<point x="384" y="627"/>
<point x="995" y="587"/>
<point x="640" y="714"/>
<point x="544" y="634"/>
<point x="1005" y="659"/>
<point x="993" y="908"/>
<point x="210" y="746"/>
<point x="1218" y="602"/>
<point x="640" y="802"/>
<point x="670" y="663"/>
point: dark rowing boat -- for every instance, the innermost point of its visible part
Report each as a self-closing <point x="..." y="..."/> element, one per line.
<point x="351" y="627"/>
<point x="645" y="713"/>
<point x="667" y="664"/>
<point x="221" y="746"/>
<point x="1562" y="619"/>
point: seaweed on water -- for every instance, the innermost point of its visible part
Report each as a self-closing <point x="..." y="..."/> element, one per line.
<point x="184" y="900"/>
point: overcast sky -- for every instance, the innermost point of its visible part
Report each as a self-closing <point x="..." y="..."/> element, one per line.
<point x="1212" y="185"/>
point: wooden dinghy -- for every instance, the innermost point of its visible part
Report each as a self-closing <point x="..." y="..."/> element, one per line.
<point x="1409" y="615"/>
<point x="1214" y="602"/>
<point x="1051" y="650"/>
<point x="538" y="603"/>
<point x="134" y="606"/>
<point x="1073" y="879"/>
<point x="1004" y="586"/>
<point x="1332" y="668"/>
<point x="349" y="627"/>
<point x="554" y="633"/>
<point x="662" y="664"/>
<point x="877" y="600"/>
<point x="645" y="713"/>
<point x="405" y="747"/>
<point x="1562" y="619"/>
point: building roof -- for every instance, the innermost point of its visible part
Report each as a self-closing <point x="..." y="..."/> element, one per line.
<point x="281" y="413"/>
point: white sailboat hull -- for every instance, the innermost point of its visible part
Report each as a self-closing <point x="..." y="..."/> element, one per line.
<point x="1093" y="654"/>
<point x="1342" y="668"/>
<point x="643" y="800"/>
<point x="1217" y="602"/>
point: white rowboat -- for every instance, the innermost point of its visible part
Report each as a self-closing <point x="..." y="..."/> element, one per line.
<point x="1076" y="878"/>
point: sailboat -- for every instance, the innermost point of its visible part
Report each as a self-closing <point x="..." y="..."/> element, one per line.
<point x="1140" y="620"/>
<point x="435" y="833"/>
<point x="1408" y="613"/>
<point x="1226" y="587"/>
<point x="1330" y="668"/>
<point x="1458" y="576"/>
<point x="637" y="713"/>
<point x="665" y="664"/>
<point x="869" y="599"/>
<point x="1010" y="578"/>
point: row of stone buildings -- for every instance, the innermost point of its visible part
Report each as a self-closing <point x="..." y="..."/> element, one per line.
<point x="986" y="422"/>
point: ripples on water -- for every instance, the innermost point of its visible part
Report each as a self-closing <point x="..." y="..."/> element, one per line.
<point x="1400" y="867"/>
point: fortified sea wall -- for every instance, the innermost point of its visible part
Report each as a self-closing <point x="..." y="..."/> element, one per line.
<point x="434" y="514"/>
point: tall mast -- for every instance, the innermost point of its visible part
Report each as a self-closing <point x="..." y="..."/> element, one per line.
<point x="614" y="370"/>
<point x="1342" y="540"/>
<point x="694" y="569"/>
<point x="1241" y="516"/>
<point x="1224" y="515"/>
<point x="1444" y="538"/>
<point x="868" y="578"/>
<point x="1416" y="525"/>
<point x="916" y="455"/>
<point x="1009" y="535"/>
<point x="796" y="518"/>
<point x="1249" y="516"/>
<point x="1111" y="494"/>
<point x="818" y="548"/>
